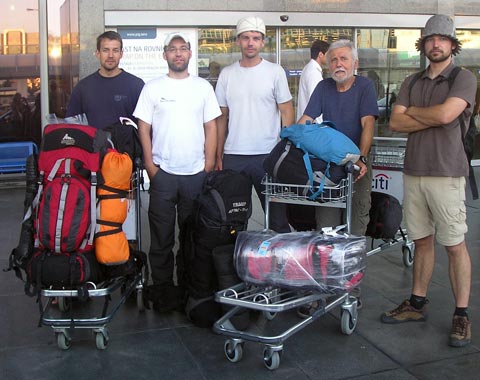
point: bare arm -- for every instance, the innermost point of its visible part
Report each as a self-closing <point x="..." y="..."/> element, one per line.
<point x="414" y="119"/>
<point x="144" y="130"/>
<point x="401" y="122"/>
<point x="210" y="128"/>
<point x="304" y="119"/>
<point x="286" y="112"/>
<point x="441" y="114"/>
<point x="366" y="138"/>
<point x="222" y="128"/>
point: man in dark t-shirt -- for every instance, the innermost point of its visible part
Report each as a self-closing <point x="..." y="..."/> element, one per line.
<point x="110" y="92"/>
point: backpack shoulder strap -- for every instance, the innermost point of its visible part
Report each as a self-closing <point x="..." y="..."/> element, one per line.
<point x="416" y="77"/>
<point x="453" y="75"/>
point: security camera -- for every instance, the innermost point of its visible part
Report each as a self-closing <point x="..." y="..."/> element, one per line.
<point x="284" y="18"/>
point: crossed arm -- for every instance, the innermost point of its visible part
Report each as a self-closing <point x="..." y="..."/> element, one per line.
<point x="414" y="118"/>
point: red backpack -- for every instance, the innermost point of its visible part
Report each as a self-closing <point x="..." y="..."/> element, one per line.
<point x="68" y="165"/>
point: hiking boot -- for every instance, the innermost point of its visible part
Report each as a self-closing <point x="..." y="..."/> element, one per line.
<point x="405" y="313"/>
<point x="461" y="332"/>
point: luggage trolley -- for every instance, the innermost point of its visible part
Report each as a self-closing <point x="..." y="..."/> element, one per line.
<point x="271" y="300"/>
<point x="388" y="154"/>
<point x="62" y="319"/>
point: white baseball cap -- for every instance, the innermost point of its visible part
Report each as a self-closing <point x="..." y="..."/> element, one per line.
<point x="174" y="35"/>
<point x="250" y="24"/>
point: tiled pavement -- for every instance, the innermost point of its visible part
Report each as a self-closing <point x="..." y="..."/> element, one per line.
<point x="147" y="345"/>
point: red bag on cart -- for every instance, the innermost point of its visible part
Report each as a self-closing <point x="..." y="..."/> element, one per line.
<point x="328" y="262"/>
<point x="68" y="166"/>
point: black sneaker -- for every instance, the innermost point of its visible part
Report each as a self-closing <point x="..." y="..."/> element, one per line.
<point x="405" y="313"/>
<point x="165" y="297"/>
<point x="461" y="332"/>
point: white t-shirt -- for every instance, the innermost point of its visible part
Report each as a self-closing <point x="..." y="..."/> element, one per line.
<point x="311" y="75"/>
<point x="177" y="110"/>
<point x="251" y="95"/>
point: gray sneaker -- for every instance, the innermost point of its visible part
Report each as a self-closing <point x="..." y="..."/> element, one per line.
<point x="405" y="313"/>
<point x="461" y="332"/>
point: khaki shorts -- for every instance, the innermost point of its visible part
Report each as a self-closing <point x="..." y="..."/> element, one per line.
<point x="435" y="205"/>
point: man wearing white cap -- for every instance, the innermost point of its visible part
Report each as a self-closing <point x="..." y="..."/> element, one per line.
<point x="255" y="100"/>
<point x="429" y="109"/>
<point x="177" y="127"/>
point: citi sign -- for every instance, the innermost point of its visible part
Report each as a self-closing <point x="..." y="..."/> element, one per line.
<point x="381" y="181"/>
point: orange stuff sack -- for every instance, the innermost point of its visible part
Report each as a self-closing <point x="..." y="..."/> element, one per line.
<point x="111" y="244"/>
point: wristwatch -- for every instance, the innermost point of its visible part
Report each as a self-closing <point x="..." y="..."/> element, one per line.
<point x="364" y="159"/>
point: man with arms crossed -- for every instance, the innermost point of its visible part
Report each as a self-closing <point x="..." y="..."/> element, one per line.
<point x="434" y="174"/>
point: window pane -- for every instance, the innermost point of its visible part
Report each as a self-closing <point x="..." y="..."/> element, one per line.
<point x="387" y="56"/>
<point x="295" y="50"/>
<point x="217" y="48"/>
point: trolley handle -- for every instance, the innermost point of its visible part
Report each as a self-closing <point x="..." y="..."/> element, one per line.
<point x="350" y="167"/>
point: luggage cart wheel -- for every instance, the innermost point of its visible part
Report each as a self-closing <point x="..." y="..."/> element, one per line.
<point x="271" y="358"/>
<point x="408" y="253"/>
<point x="348" y="323"/>
<point x="63" y="304"/>
<point x="63" y="341"/>
<point x="101" y="340"/>
<point x="140" y="300"/>
<point x="233" y="350"/>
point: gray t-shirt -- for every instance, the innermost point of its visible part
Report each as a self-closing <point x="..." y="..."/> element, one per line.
<point x="438" y="151"/>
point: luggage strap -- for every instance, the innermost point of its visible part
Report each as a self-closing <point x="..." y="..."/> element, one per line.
<point x="308" y="166"/>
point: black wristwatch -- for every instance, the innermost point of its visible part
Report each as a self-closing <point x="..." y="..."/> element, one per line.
<point x="364" y="159"/>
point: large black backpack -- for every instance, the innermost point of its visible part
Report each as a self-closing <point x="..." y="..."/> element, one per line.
<point x="220" y="212"/>
<point x="385" y="216"/>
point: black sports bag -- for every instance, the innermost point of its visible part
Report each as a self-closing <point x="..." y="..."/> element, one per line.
<point x="285" y="164"/>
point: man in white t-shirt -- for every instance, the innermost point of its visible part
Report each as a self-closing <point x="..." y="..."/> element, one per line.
<point x="255" y="100"/>
<point x="311" y="74"/>
<point x="177" y="127"/>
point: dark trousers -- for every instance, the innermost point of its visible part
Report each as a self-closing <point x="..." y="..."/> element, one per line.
<point x="169" y="195"/>
<point x="252" y="165"/>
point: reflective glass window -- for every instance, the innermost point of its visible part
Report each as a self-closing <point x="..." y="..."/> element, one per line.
<point x="217" y="48"/>
<point x="295" y="50"/>
<point x="387" y="56"/>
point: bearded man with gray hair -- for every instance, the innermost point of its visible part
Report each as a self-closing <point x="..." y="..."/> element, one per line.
<point x="429" y="109"/>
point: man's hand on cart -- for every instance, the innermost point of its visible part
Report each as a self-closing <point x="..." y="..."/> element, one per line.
<point x="361" y="168"/>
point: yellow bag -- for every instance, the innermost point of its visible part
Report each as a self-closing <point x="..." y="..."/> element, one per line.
<point x="111" y="244"/>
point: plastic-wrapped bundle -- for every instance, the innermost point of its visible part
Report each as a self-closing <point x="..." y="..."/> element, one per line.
<point x="111" y="244"/>
<point x="326" y="262"/>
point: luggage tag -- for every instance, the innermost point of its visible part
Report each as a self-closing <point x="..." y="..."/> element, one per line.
<point x="264" y="248"/>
